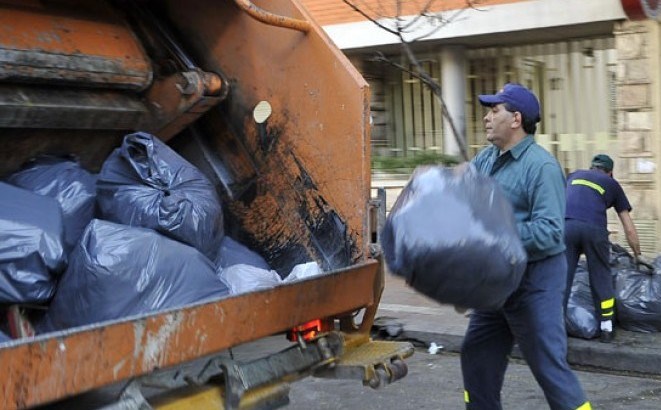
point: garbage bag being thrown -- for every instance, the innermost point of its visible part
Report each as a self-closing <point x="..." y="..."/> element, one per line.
<point x="452" y="235"/>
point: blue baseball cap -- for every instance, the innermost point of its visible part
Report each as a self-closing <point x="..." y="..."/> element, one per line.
<point x="518" y="97"/>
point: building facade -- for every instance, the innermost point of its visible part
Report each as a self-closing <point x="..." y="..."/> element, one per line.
<point x="595" y="65"/>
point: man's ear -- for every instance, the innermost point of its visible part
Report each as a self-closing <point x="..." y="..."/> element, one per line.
<point x="516" y="120"/>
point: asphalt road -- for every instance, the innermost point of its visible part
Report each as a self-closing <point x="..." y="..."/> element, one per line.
<point x="434" y="382"/>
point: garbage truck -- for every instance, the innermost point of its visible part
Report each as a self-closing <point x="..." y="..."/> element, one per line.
<point x="257" y="97"/>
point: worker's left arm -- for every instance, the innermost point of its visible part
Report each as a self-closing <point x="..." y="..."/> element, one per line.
<point x="630" y="231"/>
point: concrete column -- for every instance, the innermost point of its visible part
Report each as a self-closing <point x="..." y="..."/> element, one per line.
<point x="453" y="83"/>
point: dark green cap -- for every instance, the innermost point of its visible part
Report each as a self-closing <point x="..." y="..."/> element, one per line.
<point x="602" y="161"/>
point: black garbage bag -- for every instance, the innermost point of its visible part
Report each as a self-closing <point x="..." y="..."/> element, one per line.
<point x="70" y="184"/>
<point x="118" y="271"/>
<point x="657" y="264"/>
<point x="234" y="253"/>
<point x="453" y="237"/>
<point x="145" y="183"/>
<point x="620" y="257"/>
<point x="638" y="300"/>
<point x="581" y="316"/>
<point x="32" y="250"/>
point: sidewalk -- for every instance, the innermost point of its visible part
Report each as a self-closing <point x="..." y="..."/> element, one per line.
<point x="427" y="321"/>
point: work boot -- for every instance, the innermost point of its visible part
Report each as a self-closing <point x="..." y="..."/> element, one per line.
<point x="607" y="332"/>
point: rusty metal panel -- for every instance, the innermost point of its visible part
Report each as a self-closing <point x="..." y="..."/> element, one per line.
<point x="61" y="364"/>
<point x="301" y="180"/>
<point x="76" y="43"/>
<point x="33" y="107"/>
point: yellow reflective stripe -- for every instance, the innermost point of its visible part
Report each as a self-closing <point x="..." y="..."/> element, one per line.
<point x="466" y="400"/>
<point x="607" y="304"/>
<point x="607" y="314"/>
<point x="590" y="184"/>
<point x="585" y="406"/>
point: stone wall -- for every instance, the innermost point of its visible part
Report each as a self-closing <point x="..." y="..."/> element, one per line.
<point x="638" y="133"/>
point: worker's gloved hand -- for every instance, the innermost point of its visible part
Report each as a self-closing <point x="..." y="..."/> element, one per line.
<point x="640" y="260"/>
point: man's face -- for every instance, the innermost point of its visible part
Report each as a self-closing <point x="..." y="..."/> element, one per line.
<point x="500" y="125"/>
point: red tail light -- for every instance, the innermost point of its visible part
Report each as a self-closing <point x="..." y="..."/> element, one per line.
<point x="307" y="331"/>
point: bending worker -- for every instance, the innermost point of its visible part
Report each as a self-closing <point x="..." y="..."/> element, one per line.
<point x="589" y="194"/>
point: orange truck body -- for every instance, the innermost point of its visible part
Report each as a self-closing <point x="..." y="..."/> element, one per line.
<point x="79" y="75"/>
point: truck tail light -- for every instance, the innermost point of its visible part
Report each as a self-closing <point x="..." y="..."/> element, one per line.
<point x="306" y="331"/>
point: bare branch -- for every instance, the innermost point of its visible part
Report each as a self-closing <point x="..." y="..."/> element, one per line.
<point x="472" y="4"/>
<point x="421" y="14"/>
<point x="442" y="21"/>
<point x="368" y="17"/>
<point x="403" y="26"/>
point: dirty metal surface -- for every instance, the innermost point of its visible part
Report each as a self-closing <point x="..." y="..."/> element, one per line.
<point x="88" y="44"/>
<point x="61" y="364"/>
<point x="376" y="352"/>
<point x="33" y="107"/>
<point x="375" y="363"/>
<point x="300" y="181"/>
<point x="92" y="147"/>
<point x="181" y="99"/>
<point x="210" y="397"/>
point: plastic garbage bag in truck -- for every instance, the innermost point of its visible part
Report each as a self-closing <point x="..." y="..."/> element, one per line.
<point x="147" y="184"/>
<point x="32" y="251"/>
<point x="70" y="184"/>
<point x="118" y="271"/>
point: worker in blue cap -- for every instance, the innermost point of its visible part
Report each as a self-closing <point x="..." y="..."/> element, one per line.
<point x="533" y="316"/>
<point x="590" y="193"/>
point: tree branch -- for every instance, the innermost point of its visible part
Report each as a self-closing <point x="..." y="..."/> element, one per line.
<point x="403" y="26"/>
<point x="369" y="18"/>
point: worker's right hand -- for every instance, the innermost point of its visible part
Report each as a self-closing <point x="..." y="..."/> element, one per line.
<point x="640" y="260"/>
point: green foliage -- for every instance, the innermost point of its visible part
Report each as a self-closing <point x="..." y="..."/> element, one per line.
<point x="407" y="164"/>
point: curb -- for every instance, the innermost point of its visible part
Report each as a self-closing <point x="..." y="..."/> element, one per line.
<point x="631" y="352"/>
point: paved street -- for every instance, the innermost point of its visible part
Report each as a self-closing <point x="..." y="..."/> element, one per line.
<point x="434" y="382"/>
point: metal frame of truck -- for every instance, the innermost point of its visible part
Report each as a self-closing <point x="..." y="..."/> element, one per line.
<point x="292" y="182"/>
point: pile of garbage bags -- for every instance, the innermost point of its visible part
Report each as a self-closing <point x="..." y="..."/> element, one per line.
<point x="144" y="235"/>
<point x="581" y="316"/>
<point x="117" y="271"/>
<point x="637" y="297"/>
<point x="452" y="235"/>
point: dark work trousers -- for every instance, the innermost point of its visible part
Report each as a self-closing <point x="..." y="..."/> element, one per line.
<point x="533" y="317"/>
<point x="592" y="241"/>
